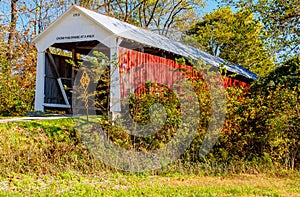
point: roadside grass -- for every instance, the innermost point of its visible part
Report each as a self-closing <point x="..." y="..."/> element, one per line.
<point x="115" y="184"/>
<point x="43" y="147"/>
<point x="46" y="158"/>
<point x="53" y="146"/>
<point x="5" y="117"/>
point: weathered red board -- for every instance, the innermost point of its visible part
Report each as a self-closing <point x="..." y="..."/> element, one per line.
<point x="135" y="67"/>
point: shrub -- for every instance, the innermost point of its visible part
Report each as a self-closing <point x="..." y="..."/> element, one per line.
<point x="15" y="98"/>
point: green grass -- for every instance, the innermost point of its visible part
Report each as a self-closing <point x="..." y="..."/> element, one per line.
<point x="46" y="158"/>
<point x="43" y="147"/>
<point x="130" y="185"/>
<point x="5" y="117"/>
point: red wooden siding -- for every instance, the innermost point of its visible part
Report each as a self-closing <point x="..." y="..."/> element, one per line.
<point x="136" y="66"/>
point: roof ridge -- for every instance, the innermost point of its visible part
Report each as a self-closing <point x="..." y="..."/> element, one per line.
<point x="173" y="46"/>
<point x="134" y="26"/>
<point x="150" y="38"/>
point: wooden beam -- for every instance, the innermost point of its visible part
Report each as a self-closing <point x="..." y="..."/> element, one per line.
<point x="40" y="81"/>
<point x="56" y="73"/>
<point x="74" y="59"/>
<point x="62" y="89"/>
<point x="52" y="65"/>
<point x="56" y="105"/>
<point x="102" y="48"/>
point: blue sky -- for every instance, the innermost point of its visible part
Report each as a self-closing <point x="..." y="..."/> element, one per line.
<point x="210" y="5"/>
<point x="213" y="4"/>
<point x="5" y="8"/>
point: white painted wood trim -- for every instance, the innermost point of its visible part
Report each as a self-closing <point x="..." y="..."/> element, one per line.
<point x="115" y="99"/>
<point x="40" y="82"/>
<point x="62" y="89"/>
<point x="56" y="105"/>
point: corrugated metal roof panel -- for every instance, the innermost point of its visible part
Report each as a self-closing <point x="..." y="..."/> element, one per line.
<point x="146" y="37"/>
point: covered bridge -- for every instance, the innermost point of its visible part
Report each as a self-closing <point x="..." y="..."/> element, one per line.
<point x="80" y="30"/>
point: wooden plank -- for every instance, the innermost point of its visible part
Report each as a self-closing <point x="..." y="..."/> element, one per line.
<point x="63" y="91"/>
<point x="53" y="65"/>
<point x="74" y="59"/>
<point x="101" y="48"/>
<point x="56" y="105"/>
<point x="56" y="74"/>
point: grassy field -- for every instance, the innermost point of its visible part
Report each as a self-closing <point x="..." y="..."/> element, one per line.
<point x="112" y="184"/>
<point x="46" y="158"/>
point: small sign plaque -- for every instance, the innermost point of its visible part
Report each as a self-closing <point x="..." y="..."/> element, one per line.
<point x="76" y="14"/>
<point x="83" y="36"/>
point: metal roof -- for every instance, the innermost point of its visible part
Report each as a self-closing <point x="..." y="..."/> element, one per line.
<point x="151" y="39"/>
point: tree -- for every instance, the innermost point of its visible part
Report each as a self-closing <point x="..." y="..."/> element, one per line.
<point x="281" y="24"/>
<point x="274" y="115"/>
<point x="12" y="29"/>
<point x="36" y="15"/>
<point x="166" y="17"/>
<point x="17" y="87"/>
<point x="235" y="37"/>
<point x="17" y="62"/>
